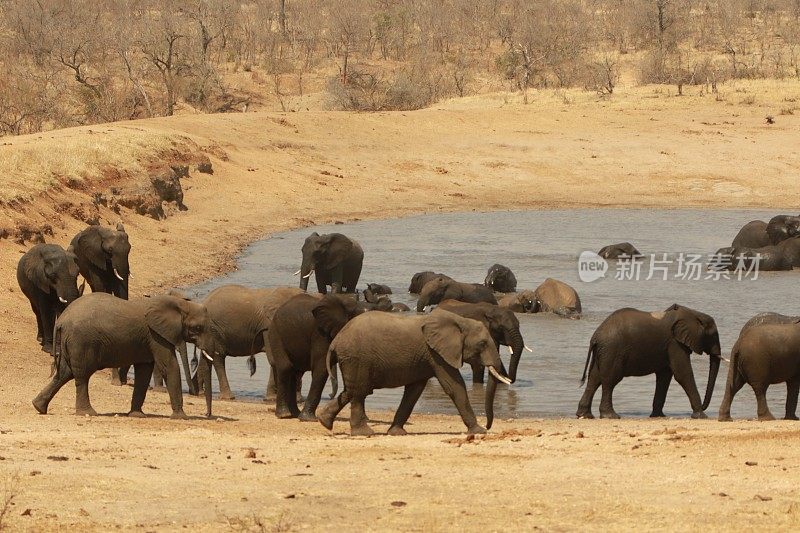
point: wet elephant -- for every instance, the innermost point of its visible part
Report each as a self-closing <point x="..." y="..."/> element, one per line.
<point x="443" y="288"/>
<point x="520" y="302"/>
<point x="419" y="280"/>
<point x="757" y="233"/>
<point x="623" y="250"/>
<point x="500" y="278"/>
<point x="554" y="296"/>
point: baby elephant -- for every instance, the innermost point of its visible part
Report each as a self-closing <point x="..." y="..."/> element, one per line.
<point x="499" y="278"/>
<point x="102" y="331"/>
<point x="444" y="288"/>
<point x="621" y="250"/>
<point x="765" y="354"/>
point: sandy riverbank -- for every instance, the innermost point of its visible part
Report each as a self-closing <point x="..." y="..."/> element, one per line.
<point x="275" y="172"/>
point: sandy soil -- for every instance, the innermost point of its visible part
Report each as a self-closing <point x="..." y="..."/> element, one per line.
<point x="248" y="471"/>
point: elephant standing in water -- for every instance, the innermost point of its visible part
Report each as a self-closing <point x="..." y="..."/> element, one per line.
<point x="622" y="250"/>
<point x="47" y="275"/>
<point x="382" y="350"/>
<point x="334" y="259"/>
<point x="419" y="280"/>
<point x="499" y="278"/>
<point x="101" y="331"/>
<point x="443" y="288"/>
<point x="757" y="233"/>
<point x="636" y="343"/>
<point x="767" y="352"/>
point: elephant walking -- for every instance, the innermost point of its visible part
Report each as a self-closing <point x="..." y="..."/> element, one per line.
<point x="334" y="259"/>
<point x="382" y="350"/>
<point x="636" y="343"/>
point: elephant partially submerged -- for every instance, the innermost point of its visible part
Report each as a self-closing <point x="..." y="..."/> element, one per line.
<point x="637" y="343"/>
<point x="334" y="259"/>
<point x="520" y="302"/>
<point x="142" y="332"/>
<point x="47" y="275"/>
<point x="768" y="258"/>
<point x="419" y="280"/>
<point x="757" y="233"/>
<point x="552" y="296"/>
<point x="382" y="350"/>
<point x="621" y="250"/>
<point x="499" y="278"/>
<point x="443" y="288"/>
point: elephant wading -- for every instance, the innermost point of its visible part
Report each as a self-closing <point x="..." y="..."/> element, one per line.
<point x="621" y="250"/>
<point x="520" y="302"/>
<point x="382" y="350"/>
<point x="47" y="276"/>
<point x="419" y="280"/>
<point x="636" y="343"/>
<point x="241" y="317"/>
<point x="767" y="352"/>
<point x="301" y="332"/>
<point x="442" y="288"/>
<point x="334" y="259"/>
<point x="768" y="258"/>
<point x="554" y="296"/>
<point x="757" y="233"/>
<point x="499" y="278"/>
<point x="101" y="331"/>
<point x="503" y="326"/>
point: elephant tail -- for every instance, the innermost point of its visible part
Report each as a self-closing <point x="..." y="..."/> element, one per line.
<point x="330" y="361"/>
<point x="590" y="360"/>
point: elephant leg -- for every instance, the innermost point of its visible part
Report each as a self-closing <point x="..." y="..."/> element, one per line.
<point x="158" y="379"/>
<point x="319" y="376"/>
<point x="358" y="418"/>
<point x="82" y="404"/>
<point x="272" y="389"/>
<point x="336" y="279"/>
<point x="173" y="373"/>
<point x="286" y="399"/>
<point x="224" y="387"/>
<point x="764" y="413"/>
<point x="39" y="335"/>
<point x="322" y="287"/>
<point x="792" y="390"/>
<point x="607" y="397"/>
<point x="191" y="384"/>
<point x="453" y="384"/>
<point x="61" y="377"/>
<point x="328" y="413"/>
<point x="141" y="373"/>
<point x="663" y="379"/>
<point x="478" y="371"/>
<point x="735" y="383"/>
<point x="411" y="395"/>
<point x="119" y="376"/>
<point x="682" y="370"/>
<point x="592" y="384"/>
<point x="48" y="319"/>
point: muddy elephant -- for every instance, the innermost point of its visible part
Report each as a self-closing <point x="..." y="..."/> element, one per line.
<point x="381" y="350"/>
<point x="47" y="275"/>
<point x="621" y="250"/>
<point x="301" y="332"/>
<point x="520" y="302"/>
<point x="503" y="326"/>
<point x="142" y="332"/>
<point x="763" y="355"/>
<point x="499" y="278"/>
<point x="242" y="317"/>
<point x="768" y="258"/>
<point x="442" y="288"/>
<point x="334" y="259"/>
<point x="637" y="343"/>
<point x="419" y="280"/>
<point x="554" y="296"/>
<point x="757" y="233"/>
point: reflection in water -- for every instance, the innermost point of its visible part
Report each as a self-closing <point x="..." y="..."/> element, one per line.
<point x="535" y="245"/>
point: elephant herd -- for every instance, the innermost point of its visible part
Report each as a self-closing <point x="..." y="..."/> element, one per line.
<point x="372" y="342"/>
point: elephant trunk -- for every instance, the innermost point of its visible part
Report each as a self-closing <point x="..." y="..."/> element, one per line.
<point x="514" y="340"/>
<point x="190" y="383"/>
<point x="713" y="369"/>
<point x="421" y="303"/>
<point x="306" y="269"/>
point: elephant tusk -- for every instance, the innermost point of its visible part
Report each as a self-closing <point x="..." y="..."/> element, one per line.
<point x="205" y="354"/>
<point x="118" y="276"/>
<point x="62" y="300"/>
<point x="498" y="377"/>
<point x="528" y="348"/>
<point x="308" y="275"/>
<point x="297" y="273"/>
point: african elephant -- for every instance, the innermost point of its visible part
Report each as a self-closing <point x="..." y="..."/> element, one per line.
<point x="637" y="343"/>
<point x="769" y="318"/>
<point x="158" y="377"/>
<point x="763" y="355"/>
<point x="380" y="302"/>
<point x="381" y="350"/>
<point x="519" y="302"/>
<point x="768" y="258"/>
<point x="624" y="250"/>
<point x="335" y="260"/>
<point x="503" y="326"/>
<point x="47" y="275"/>
<point x="757" y="233"/>
<point x="142" y="332"/>
<point x="377" y="288"/>
<point x="419" y="280"/>
<point x="102" y="257"/>
<point x="443" y="288"/>
<point x="554" y="296"/>
<point x="242" y="317"/>
<point x="301" y="332"/>
<point x="499" y="278"/>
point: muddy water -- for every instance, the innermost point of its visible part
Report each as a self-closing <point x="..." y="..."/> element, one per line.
<point x="536" y="245"/>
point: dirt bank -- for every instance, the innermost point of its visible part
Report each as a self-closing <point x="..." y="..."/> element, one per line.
<point x="274" y="172"/>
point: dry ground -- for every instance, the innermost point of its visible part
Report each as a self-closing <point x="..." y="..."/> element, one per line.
<point x="277" y="171"/>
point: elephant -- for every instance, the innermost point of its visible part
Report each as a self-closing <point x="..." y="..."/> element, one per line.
<point x="47" y="275"/>
<point x="763" y="355"/>
<point x="769" y="318"/>
<point x="622" y="250"/>
<point x="102" y="257"/>
<point x="379" y="302"/>
<point x="142" y="332"/>
<point x="554" y="296"/>
<point x="520" y="302"/>
<point x="499" y="278"/>
<point x="419" y="280"/>
<point x="301" y="332"/>
<point x="757" y="233"/>
<point x="335" y="260"/>
<point x="242" y="317"/>
<point x="381" y="350"/>
<point x="503" y="326"/>
<point x="631" y="342"/>
<point x="443" y="288"/>
<point x="768" y="258"/>
<point x="158" y="377"/>
<point x="376" y="288"/>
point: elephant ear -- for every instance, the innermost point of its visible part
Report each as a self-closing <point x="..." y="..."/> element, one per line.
<point x="165" y="317"/>
<point x="90" y="245"/>
<point x="331" y="316"/>
<point x="443" y="335"/>
<point x="688" y="330"/>
<point x="337" y="247"/>
<point x="35" y="271"/>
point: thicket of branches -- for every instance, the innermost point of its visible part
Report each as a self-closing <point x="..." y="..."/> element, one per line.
<point x="69" y="62"/>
